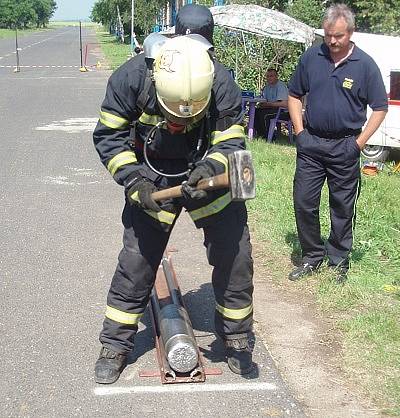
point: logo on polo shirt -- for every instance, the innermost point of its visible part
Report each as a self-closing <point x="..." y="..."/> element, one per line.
<point x="348" y="83"/>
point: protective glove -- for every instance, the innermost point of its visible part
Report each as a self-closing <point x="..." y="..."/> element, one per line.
<point x="203" y="170"/>
<point x="138" y="192"/>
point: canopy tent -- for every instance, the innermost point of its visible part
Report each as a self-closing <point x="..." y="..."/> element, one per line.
<point x="260" y="21"/>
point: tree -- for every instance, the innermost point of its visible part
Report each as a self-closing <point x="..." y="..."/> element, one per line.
<point x="26" y="13"/>
<point x="105" y="12"/>
<point x="44" y="11"/>
<point x="306" y="11"/>
<point x="8" y="16"/>
<point x="380" y="16"/>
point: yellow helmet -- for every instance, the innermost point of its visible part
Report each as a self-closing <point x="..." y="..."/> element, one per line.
<point x="183" y="76"/>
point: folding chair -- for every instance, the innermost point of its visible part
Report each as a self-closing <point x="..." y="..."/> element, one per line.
<point x="278" y="120"/>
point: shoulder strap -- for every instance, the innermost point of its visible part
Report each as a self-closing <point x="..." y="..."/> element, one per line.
<point x="144" y="95"/>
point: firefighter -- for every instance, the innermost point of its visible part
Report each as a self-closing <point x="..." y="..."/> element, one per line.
<point x="165" y="123"/>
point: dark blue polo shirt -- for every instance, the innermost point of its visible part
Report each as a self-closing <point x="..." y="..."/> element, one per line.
<point x="338" y="97"/>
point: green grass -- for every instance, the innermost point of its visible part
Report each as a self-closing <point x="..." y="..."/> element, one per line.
<point x="10" y="33"/>
<point x="367" y="308"/>
<point x="115" y="52"/>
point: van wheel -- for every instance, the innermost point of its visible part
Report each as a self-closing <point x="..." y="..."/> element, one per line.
<point x="375" y="153"/>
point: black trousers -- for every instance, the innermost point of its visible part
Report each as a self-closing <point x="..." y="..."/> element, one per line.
<point x="227" y="241"/>
<point x="337" y="161"/>
<point x="261" y="120"/>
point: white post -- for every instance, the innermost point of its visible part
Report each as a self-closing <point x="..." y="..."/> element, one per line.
<point x="132" y="26"/>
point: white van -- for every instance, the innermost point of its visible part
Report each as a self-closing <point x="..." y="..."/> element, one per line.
<point x="385" y="52"/>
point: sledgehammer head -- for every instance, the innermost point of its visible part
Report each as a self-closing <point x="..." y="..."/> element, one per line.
<point x="242" y="179"/>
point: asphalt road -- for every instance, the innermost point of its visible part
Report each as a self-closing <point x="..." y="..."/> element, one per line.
<point x="60" y="238"/>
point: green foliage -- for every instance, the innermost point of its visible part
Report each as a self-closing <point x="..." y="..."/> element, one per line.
<point x="44" y="10"/>
<point x="307" y="11"/>
<point x="250" y="56"/>
<point x="269" y="4"/>
<point x="380" y="16"/>
<point x="26" y="13"/>
<point x="105" y="12"/>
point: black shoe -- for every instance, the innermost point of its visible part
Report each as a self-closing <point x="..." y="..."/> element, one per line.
<point x="239" y="355"/>
<point x="109" y="366"/>
<point x="339" y="274"/>
<point x="305" y="270"/>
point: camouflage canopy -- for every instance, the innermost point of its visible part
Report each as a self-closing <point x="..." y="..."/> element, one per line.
<point x="250" y="18"/>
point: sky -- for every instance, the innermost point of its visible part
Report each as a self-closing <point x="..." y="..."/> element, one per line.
<point x="73" y="9"/>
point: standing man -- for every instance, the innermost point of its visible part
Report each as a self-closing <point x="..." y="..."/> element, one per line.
<point x="340" y="80"/>
<point x="166" y="121"/>
<point x="276" y="92"/>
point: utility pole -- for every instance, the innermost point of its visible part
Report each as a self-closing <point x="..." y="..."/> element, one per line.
<point x="82" y="68"/>
<point x="134" y="43"/>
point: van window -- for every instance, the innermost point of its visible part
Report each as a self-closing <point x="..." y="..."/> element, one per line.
<point x="395" y="85"/>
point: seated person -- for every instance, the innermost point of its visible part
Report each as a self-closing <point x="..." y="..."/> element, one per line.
<point x="276" y="92"/>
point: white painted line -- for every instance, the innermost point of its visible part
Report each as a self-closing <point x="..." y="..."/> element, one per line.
<point x="72" y="125"/>
<point x="186" y="388"/>
<point x="37" y="43"/>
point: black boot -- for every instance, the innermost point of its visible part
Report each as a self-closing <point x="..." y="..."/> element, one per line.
<point x="109" y="366"/>
<point x="239" y="355"/>
<point x="339" y="273"/>
<point x="304" y="270"/>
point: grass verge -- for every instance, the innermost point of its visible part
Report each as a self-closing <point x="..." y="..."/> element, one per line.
<point x="115" y="52"/>
<point x="10" y="33"/>
<point x="367" y="308"/>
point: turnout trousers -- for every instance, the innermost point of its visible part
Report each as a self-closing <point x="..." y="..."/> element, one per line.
<point x="337" y="161"/>
<point x="227" y="242"/>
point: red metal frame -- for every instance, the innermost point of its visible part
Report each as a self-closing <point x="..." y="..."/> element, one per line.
<point x="200" y="372"/>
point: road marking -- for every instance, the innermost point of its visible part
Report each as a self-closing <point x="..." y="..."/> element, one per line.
<point x="72" y="125"/>
<point x="65" y="181"/>
<point x="76" y="177"/>
<point x="189" y="388"/>
<point x="39" y="42"/>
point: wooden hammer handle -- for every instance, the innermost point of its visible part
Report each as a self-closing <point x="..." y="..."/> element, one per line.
<point x="217" y="182"/>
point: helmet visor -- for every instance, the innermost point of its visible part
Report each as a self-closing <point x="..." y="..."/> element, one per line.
<point x="183" y="112"/>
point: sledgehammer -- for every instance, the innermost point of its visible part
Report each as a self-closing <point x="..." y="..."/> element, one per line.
<point x="240" y="179"/>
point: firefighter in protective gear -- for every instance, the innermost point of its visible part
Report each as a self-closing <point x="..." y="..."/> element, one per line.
<point x="175" y="123"/>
